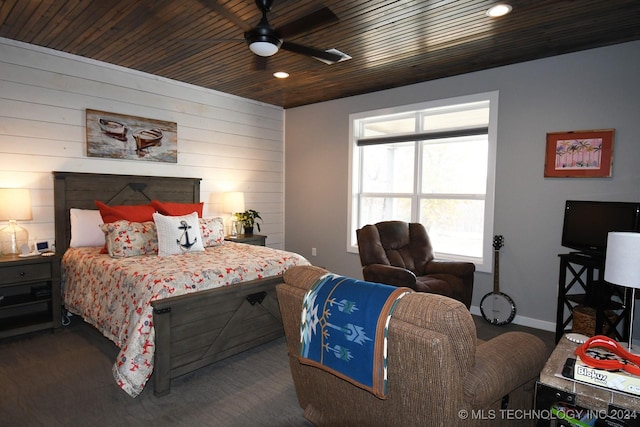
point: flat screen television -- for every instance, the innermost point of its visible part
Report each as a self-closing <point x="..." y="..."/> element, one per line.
<point x="587" y="223"/>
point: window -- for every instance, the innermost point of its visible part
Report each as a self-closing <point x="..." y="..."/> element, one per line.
<point x="431" y="163"/>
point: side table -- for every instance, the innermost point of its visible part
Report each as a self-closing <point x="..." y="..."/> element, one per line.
<point x="552" y="389"/>
<point x="30" y="291"/>
<point x="251" y="239"/>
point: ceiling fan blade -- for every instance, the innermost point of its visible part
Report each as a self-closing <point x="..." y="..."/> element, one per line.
<point x="311" y="51"/>
<point x="208" y="41"/>
<point x="224" y="12"/>
<point x="307" y="23"/>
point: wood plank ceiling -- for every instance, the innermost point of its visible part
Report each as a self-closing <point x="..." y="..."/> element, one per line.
<point x="392" y="43"/>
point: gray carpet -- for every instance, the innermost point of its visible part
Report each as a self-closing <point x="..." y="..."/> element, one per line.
<point x="487" y="331"/>
<point x="64" y="379"/>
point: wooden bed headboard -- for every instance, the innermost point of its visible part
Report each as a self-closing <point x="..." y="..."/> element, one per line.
<point x="81" y="190"/>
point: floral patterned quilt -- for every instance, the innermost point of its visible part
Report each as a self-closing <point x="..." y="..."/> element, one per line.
<point x="114" y="294"/>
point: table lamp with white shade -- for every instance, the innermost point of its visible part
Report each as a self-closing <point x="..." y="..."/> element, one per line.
<point x="233" y="202"/>
<point x="15" y="205"/>
<point x="622" y="266"/>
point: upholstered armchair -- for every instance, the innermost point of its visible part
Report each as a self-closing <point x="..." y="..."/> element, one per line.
<point x="400" y="254"/>
<point x="439" y="374"/>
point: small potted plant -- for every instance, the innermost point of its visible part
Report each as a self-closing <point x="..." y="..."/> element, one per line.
<point x="249" y="218"/>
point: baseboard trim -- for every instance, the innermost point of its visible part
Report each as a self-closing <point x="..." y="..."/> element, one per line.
<point x="523" y="320"/>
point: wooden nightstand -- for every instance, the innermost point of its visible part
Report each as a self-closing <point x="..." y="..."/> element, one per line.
<point x="251" y="239"/>
<point x="30" y="290"/>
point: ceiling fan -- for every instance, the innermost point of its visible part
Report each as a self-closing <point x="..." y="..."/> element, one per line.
<point x="264" y="40"/>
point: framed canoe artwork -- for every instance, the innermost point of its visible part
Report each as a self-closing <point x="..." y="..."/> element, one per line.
<point x="120" y="136"/>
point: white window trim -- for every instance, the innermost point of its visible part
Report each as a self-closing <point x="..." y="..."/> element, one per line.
<point x="487" y="249"/>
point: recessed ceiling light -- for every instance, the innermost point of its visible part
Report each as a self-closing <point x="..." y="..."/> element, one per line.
<point x="280" y="75"/>
<point x="497" y="10"/>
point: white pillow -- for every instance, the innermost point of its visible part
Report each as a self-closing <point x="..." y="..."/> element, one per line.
<point x="178" y="234"/>
<point x="85" y="228"/>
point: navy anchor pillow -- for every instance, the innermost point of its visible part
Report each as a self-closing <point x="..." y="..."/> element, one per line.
<point x="178" y="234"/>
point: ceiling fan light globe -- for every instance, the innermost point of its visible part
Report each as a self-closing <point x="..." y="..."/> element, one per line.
<point x="262" y="48"/>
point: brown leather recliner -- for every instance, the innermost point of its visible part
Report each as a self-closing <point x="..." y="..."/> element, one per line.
<point x="400" y="254"/>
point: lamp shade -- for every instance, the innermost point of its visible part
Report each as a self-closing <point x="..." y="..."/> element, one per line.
<point x="233" y="201"/>
<point x="622" y="263"/>
<point x="15" y="204"/>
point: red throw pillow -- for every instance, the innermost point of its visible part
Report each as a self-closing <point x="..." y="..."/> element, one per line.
<point x="177" y="209"/>
<point x="134" y="213"/>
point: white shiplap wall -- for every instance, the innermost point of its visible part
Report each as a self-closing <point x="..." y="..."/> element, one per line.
<point x="232" y="143"/>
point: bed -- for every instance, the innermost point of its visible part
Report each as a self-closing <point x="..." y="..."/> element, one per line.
<point x="184" y="332"/>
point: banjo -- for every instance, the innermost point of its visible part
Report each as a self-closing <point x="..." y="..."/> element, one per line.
<point x="497" y="307"/>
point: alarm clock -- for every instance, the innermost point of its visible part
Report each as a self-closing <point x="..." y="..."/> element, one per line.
<point x="42" y="247"/>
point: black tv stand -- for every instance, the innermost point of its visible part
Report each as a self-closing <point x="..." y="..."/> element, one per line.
<point x="581" y="282"/>
<point x="587" y="255"/>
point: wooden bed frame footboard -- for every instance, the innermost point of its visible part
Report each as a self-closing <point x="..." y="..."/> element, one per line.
<point x="192" y="333"/>
<point x="192" y="330"/>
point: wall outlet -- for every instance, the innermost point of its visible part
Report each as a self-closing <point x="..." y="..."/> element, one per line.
<point x="314" y="252"/>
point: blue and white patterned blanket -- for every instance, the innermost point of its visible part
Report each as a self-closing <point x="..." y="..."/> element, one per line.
<point x="344" y="329"/>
